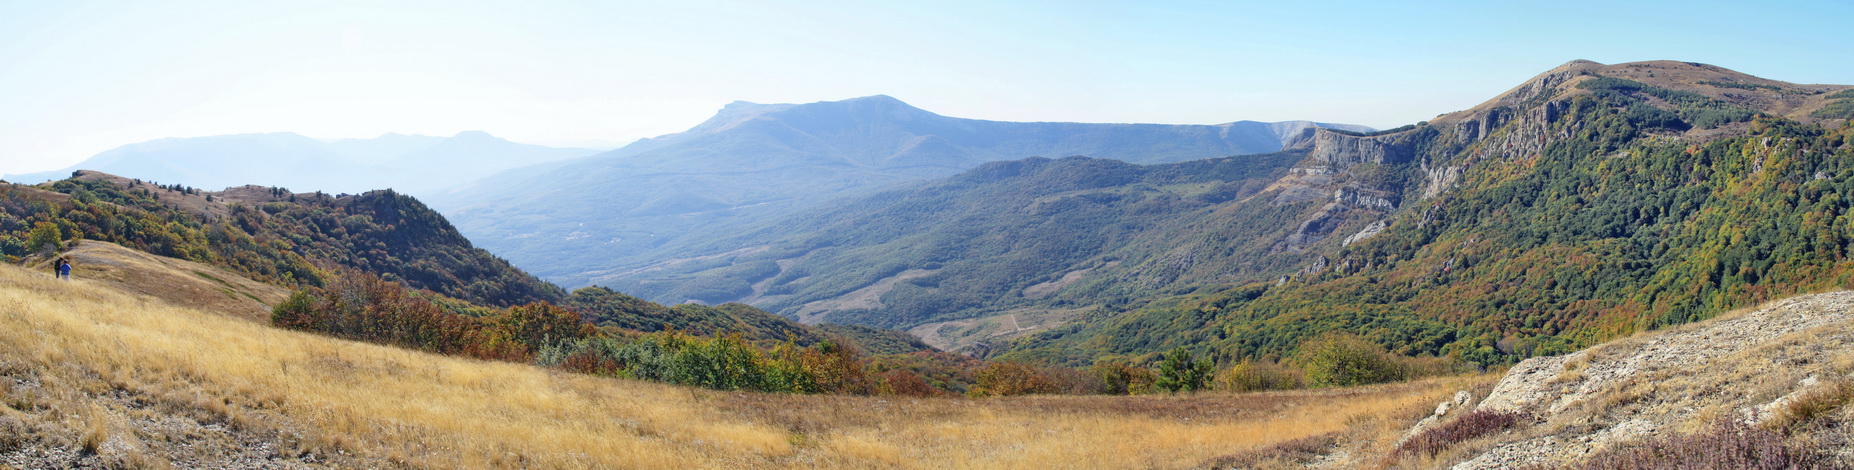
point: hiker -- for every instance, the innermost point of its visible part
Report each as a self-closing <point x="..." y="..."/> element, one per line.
<point x="64" y="268"/>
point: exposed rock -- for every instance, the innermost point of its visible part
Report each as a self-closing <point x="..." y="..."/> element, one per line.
<point x="1365" y="198"/>
<point x="1340" y="151"/>
<point x="1314" y="229"/>
<point x="1368" y="232"/>
<point x="1439" y="179"/>
<point x="1649" y="385"/>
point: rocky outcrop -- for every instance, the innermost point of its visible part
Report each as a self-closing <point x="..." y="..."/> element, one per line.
<point x="1368" y="232"/>
<point x="1339" y="151"/>
<point x="1744" y="367"/>
<point x="1366" y="198"/>
<point x="1439" y="179"/>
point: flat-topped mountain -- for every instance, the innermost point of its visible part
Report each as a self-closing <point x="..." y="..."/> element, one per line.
<point x="582" y="219"/>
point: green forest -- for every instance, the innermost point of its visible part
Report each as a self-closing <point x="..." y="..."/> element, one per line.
<point x="1618" y="227"/>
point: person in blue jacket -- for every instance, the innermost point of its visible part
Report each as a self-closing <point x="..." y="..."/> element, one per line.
<point x="64" y="268"/>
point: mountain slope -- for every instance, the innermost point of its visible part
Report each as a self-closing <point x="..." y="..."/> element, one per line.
<point x="1037" y="233"/>
<point x="1705" y="379"/>
<point x="175" y="281"/>
<point x="409" y="163"/>
<point x="300" y="240"/>
<point x="268" y="234"/>
<point x="751" y="162"/>
<point x="1578" y="206"/>
<point x="1582" y="205"/>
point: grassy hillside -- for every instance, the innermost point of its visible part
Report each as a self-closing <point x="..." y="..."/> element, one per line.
<point x="175" y="281"/>
<point x="268" y="234"/>
<point x="95" y="377"/>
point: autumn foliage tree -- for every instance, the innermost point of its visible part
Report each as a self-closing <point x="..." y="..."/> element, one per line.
<point x="1006" y="378"/>
<point x="362" y="306"/>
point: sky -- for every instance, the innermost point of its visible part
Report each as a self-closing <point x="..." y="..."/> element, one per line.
<point x="81" y="77"/>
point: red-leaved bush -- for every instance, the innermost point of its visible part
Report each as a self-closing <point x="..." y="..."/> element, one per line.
<point x="362" y="306"/>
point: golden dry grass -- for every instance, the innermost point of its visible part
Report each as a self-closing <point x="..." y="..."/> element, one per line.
<point x="359" y="404"/>
<point x="175" y="281"/>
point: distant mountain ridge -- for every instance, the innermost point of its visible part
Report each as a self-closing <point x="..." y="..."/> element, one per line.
<point x="574" y="221"/>
<point x="409" y="163"/>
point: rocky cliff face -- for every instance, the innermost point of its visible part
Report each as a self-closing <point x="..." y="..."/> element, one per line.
<point x="1365" y="180"/>
<point x="1338" y="152"/>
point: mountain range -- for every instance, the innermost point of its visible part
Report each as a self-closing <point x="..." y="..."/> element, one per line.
<point x="414" y="164"/>
<point x="582" y="220"/>
<point x="1591" y="201"/>
<point x="1584" y="203"/>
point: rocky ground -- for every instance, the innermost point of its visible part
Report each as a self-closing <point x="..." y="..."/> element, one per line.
<point x="1742" y="368"/>
<point x="66" y="418"/>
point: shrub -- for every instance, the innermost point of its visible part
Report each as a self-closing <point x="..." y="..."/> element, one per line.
<point x="1841" y="109"/>
<point x="593" y="356"/>
<point x="1179" y="372"/>
<point x="1288" y="454"/>
<point x="362" y="306"/>
<point x="832" y="368"/>
<point x="907" y="383"/>
<point x="1072" y="381"/>
<point x="45" y="234"/>
<point x="1006" y="378"/>
<point x="1727" y="445"/>
<point x="1120" y="378"/>
<point x="1812" y="404"/>
<point x="725" y="363"/>
<point x="1469" y="426"/>
<point x="1343" y="360"/>
<point x="1250" y="376"/>
<point x="539" y="325"/>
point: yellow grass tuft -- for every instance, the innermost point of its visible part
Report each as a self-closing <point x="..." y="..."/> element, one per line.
<point x="383" y="406"/>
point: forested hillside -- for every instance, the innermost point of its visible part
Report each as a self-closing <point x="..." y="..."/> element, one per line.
<point x="269" y="234"/>
<point x="1031" y="233"/>
<point x="1592" y="202"/>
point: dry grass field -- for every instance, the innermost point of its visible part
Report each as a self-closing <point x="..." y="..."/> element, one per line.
<point x="93" y="375"/>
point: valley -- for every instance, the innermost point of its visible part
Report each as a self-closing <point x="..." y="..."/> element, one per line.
<point x="1589" y="202"/>
<point x="751" y="164"/>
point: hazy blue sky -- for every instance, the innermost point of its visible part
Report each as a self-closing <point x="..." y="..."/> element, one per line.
<point x="81" y="77"/>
